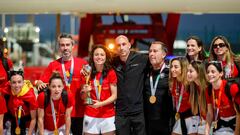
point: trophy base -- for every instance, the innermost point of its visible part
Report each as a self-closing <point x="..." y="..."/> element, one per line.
<point x="88" y="101"/>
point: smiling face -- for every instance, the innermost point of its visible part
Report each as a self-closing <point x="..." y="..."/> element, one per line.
<point x="99" y="56"/>
<point x="16" y="83"/>
<point x="56" y="87"/>
<point x="175" y="68"/>
<point x="192" y="47"/>
<point x="156" y="54"/>
<point x="213" y="75"/>
<point x="192" y="74"/>
<point x="219" y="47"/>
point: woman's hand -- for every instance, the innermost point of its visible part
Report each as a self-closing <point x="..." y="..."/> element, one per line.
<point x="96" y="104"/>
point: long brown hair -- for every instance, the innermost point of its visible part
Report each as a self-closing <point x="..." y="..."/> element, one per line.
<point x="198" y="99"/>
<point x="107" y="64"/>
<point x="183" y="77"/>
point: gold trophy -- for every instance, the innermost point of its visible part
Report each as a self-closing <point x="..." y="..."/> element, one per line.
<point x="87" y="87"/>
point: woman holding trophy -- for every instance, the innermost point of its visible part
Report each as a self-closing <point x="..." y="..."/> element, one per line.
<point x="100" y="115"/>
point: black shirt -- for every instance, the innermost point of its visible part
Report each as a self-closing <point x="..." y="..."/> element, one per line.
<point x="162" y="109"/>
<point x="130" y="83"/>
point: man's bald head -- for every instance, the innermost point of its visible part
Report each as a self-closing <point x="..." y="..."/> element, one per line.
<point x="121" y="36"/>
<point x="124" y="46"/>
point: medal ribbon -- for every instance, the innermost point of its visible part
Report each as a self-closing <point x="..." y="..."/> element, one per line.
<point x="153" y="89"/>
<point x="199" y="107"/>
<point x="98" y="87"/>
<point x="180" y="98"/>
<point x="18" y="118"/>
<point x="54" y="114"/>
<point x="68" y="81"/>
<point x="217" y="102"/>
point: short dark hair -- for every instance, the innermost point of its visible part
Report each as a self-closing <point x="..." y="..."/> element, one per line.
<point x="15" y="72"/>
<point x="217" y="64"/>
<point x="202" y="53"/>
<point x="65" y="35"/>
<point x="55" y="75"/>
<point x="163" y="46"/>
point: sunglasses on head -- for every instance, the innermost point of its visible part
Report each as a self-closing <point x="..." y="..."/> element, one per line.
<point x="12" y="73"/>
<point x="215" y="62"/>
<point x="220" y="45"/>
<point x="196" y="61"/>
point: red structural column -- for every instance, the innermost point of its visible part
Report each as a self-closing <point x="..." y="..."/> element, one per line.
<point x="85" y="31"/>
<point x="171" y="29"/>
<point x="159" y="33"/>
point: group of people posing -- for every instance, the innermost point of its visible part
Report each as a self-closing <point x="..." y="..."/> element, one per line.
<point x="131" y="93"/>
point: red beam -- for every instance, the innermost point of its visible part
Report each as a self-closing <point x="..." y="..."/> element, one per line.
<point x="171" y="29"/>
<point x="85" y="31"/>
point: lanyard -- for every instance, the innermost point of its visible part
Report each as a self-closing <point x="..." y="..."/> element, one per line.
<point x="217" y="101"/>
<point x="54" y="113"/>
<point x="68" y="81"/>
<point x="153" y="89"/>
<point x="98" y="87"/>
<point x="180" y="98"/>
<point x="18" y="120"/>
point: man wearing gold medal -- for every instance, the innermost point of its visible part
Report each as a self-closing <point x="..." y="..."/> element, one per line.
<point x="69" y="68"/>
<point x="157" y="100"/>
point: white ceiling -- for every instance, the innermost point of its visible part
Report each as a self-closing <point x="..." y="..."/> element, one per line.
<point x="119" y="6"/>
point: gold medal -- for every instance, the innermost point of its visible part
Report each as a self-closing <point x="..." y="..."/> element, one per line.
<point x="18" y="130"/>
<point x="152" y="99"/>
<point x="177" y="116"/>
<point x="200" y="123"/>
<point x="56" y="132"/>
<point x="215" y="124"/>
<point x="67" y="74"/>
<point x="68" y="86"/>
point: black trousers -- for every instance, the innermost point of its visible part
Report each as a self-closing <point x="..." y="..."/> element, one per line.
<point x="130" y="124"/>
<point x="158" y="127"/>
<point x="76" y="125"/>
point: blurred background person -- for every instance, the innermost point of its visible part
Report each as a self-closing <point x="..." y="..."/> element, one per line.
<point x="5" y="66"/>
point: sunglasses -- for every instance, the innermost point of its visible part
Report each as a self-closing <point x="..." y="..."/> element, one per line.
<point x="220" y="45"/>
